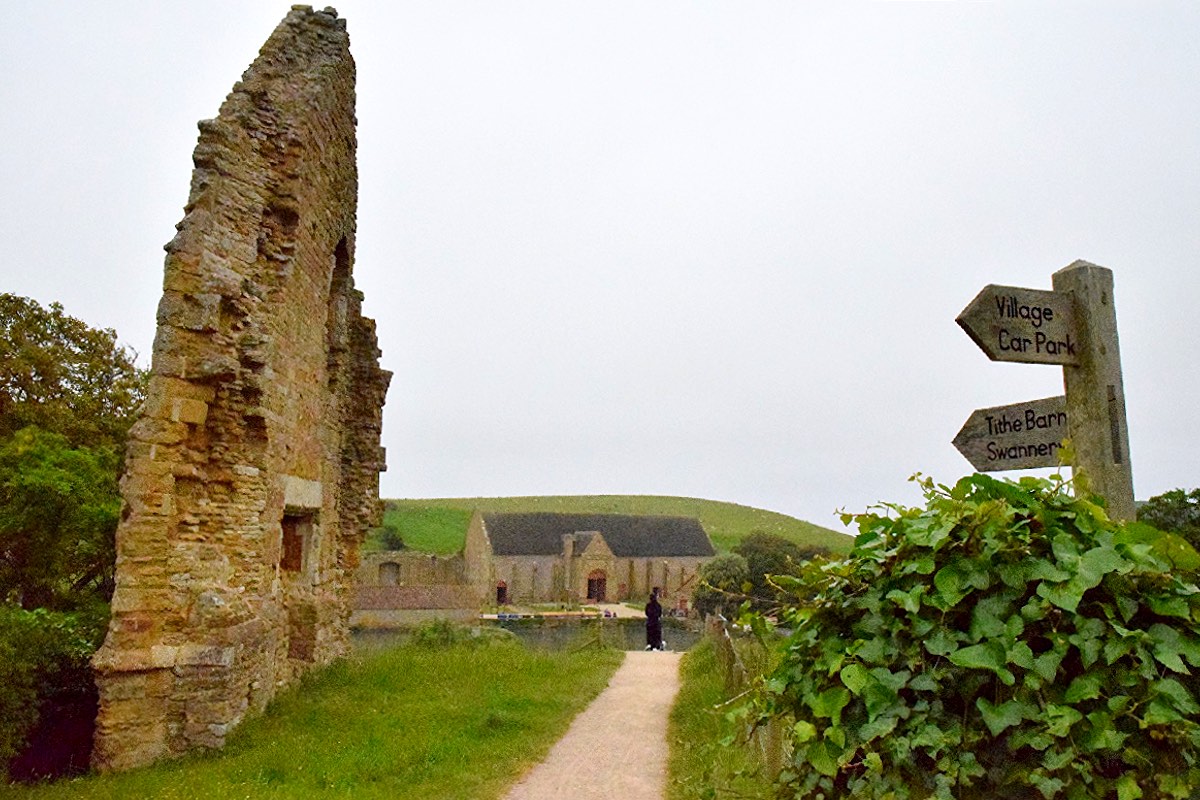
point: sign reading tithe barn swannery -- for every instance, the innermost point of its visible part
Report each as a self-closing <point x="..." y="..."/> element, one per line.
<point x="1027" y="325"/>
<point x="1019" y="436"/>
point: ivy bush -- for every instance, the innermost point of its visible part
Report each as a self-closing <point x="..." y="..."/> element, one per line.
<point x="1007" y="640"/>
<point x="47" y="696"/>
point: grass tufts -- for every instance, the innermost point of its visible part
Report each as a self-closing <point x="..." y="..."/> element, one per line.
<point x="708" y="759"/>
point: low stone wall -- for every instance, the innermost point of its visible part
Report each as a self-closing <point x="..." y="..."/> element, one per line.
<point x="400" y="606"/>
<point x="410" y="568"/>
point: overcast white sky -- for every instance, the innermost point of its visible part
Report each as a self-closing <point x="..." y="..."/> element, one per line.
<point x="704" y="249"/>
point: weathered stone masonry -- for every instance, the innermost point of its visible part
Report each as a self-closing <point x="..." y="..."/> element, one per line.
<point x="253" y="472"/>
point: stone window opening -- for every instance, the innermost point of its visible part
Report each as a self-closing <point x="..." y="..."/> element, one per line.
<point x="389" y="573"/>
<point x="298" y="527"/>
<point x="501" y="593"/>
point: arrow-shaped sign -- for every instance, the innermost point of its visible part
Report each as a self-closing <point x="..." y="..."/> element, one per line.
<point x="1027" y="325"/>
<point x="1019" y="436"/>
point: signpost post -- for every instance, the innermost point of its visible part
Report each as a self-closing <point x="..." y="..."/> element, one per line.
<point x="1074" y="326"/>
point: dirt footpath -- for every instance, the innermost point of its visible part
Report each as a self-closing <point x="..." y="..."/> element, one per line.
<point x="616" y="749"/>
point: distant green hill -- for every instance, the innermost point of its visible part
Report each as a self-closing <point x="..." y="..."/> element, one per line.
<point x="440" y="525"/>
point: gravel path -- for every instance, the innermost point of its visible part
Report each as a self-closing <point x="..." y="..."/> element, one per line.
<point x="616" y="749"/>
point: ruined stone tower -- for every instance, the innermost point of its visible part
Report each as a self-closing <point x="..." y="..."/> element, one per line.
<point x="253" y="472"/>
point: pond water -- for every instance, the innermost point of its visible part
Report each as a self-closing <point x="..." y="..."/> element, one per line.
<point x="558" y="634"/>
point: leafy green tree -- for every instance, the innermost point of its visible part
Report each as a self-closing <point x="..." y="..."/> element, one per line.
<point x="61" y="375"/>
<point x="1177" y="511"/>
<point x="1005" y="641"/>
<point x="769" y="554"/>
<point x="58" y="516"/>
<point x="721" y="582"/>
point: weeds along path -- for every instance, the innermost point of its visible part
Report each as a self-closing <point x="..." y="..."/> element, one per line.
<point x="617" y="747"/>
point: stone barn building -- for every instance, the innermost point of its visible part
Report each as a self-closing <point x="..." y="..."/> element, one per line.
<point x="547" y="558"/>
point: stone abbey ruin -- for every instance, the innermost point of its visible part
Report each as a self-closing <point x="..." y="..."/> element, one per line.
<point x="252" y="474"/>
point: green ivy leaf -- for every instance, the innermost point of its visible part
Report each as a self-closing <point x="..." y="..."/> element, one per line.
<point x="1048" y="786"/>
<point x="879" y="699"/>
<point x="951" y="584"/>
<point x="880" y="726"/>
<point x="1102" y="734"/>
<point x="924" y="682"/>
<point x="1084" y="687"/>
<point x="1169" y="644"/>
<point x="930" y="532"/>
<point x="1178" y="694"/>
<point x="942" y="643"/>
<point x="803" y="732"/>
<point x="829" y="704"/>
<point x="1055" y="759"/>
<point x="1064" y="595"/>
<point x="1177" y="550"/>
<point x="1098" y="562"/>
<point x="987" y="655"/>
<point x="1161" y="711"/>
<point x="1021" y="655"/>
<point x="1004" y="716"/>
<point x="1127" y="788"/>
<point x="1059" y="719"/>
<point x="990" y="615"/>
<point x="823" y="757"/>
<point x="1172" y="606"/>
<point x="855" y="677"/>
<point x="872" y="651"/>
<point x="910" y="601"/>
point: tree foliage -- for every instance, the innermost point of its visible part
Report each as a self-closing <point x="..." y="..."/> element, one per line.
<point x="721" y="583"/>
<point x="58" y="517"/>
<point x="61" y="375"/>
<point x="1177" y="511"/>
<point x="1007" y="640"/>
<point x="768" y="554"/>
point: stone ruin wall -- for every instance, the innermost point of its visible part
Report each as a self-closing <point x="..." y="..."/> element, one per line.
<point x="253" y="472"/>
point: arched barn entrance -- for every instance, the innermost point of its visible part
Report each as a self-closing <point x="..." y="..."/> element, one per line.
<point x="597" y="585"/>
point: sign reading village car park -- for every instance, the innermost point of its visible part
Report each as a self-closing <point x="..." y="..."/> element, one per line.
<point x="1026" y="325"/>
<point x="1019" y="436"/>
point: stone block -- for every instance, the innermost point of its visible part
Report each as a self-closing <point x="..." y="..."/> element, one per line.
<point x="192" y="655"/>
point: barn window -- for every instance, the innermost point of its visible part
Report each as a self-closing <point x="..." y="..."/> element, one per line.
<point x="297" y="534"/>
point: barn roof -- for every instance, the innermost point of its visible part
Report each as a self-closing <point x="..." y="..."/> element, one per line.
<point x="628" y="536"/>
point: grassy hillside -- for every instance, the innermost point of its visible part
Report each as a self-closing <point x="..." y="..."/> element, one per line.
<point x="440" y="526"/>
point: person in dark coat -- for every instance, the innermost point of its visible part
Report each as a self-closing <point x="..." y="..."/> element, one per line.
<point x="654" y="640"/>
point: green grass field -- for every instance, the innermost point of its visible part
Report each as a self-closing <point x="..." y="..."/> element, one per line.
<point x="440" y="525"/>
<point x="456" y="722"/>
<point x="700" y="764"/>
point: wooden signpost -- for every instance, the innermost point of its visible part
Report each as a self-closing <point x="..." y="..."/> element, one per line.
<point x="1074" y="326"/>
